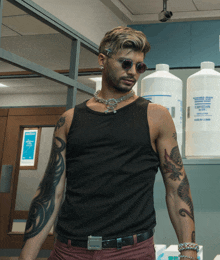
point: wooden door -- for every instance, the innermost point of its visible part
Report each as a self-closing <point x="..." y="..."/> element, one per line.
<point x="17" y="119"/>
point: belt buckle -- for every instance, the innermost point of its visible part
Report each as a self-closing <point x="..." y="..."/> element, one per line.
<point x="94" y="243"/>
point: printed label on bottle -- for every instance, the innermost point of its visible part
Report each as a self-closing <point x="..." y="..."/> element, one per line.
<point x="204" y="105"/>
<point x="203" y="108"/>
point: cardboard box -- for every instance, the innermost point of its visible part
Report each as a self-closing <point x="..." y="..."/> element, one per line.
<point x="172" y="253"/>
<point x="160" y="251"/>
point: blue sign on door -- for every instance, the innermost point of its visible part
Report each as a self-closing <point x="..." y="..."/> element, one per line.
<point x="29" y="145"/>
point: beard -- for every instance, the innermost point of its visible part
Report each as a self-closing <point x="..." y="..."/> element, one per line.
<point x="122" y="89"/>
<point x="115" y="83"/>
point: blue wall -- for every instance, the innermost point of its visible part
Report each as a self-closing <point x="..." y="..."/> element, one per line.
<point x="184" y="44"/>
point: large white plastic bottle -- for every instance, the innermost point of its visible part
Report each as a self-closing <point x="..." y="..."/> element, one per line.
<point x="203" y="113"/>
<point x="162" y="87"/>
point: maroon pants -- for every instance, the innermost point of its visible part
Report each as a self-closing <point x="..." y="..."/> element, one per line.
<point x="139" y="251"/>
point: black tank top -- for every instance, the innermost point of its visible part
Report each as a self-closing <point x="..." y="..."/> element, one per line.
<point x="110" y="169"/>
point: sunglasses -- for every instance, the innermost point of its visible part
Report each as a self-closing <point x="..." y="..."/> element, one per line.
<point x="127" y="64"/>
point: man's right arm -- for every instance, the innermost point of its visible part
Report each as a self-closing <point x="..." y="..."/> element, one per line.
<point x="46" y="202"/>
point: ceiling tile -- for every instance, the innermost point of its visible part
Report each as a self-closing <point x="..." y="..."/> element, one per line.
<point x="40" y="85"/>
<point x="51" y="51"/>
<point x="27" y="25"/>
<point x="139" y="7"/>
<point x="180" y="6"/>
<point x="10" y="9"/>
<point x="6" y="67"/>
<point x="32" y="85"/>
<point x="207" y="5"/>
<point x="8" y="32"/>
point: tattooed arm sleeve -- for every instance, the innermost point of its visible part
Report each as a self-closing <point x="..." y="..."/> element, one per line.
<point x="178" y="195"/>
<point x="46" y="202"/>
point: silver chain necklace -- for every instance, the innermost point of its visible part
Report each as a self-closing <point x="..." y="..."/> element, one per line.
<point x="112" y="102"/>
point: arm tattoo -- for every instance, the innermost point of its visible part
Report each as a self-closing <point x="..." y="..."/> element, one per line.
<point x="175" y="136"/>
<point x="60" y="123"/>
<point x="43" y="204"/>
<point x="183" y="192"/>
<point x="193" y="237"/>
<point x="173" y="163"/>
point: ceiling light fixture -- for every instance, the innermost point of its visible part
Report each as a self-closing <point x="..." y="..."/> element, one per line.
<point x="96" y="79"/>
<point x="3" y="86"/>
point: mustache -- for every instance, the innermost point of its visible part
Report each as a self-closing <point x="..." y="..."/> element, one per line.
<point x="129" y="78"/>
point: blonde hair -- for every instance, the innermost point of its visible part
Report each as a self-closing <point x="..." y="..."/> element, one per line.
<point x="124" y="37"/>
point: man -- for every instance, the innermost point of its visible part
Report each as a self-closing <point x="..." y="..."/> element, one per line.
<point x="109" y="148"/>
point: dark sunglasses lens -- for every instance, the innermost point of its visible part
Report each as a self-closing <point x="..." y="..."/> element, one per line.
<point x="141" y="67"/>
<point x="127" y="64"/>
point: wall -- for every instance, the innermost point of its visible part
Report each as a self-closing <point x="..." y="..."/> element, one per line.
<point x="204" y="184"/>
<point x="184" y="44"/>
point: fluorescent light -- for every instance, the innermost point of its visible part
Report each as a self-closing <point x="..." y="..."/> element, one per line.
<point x="3" y="86"/>
<point x="96" y="79"/>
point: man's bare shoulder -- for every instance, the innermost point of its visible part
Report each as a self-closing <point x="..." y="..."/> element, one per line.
<point x="156" y="112"/>
<point x="67" y="118"/>
<point x="155" y="107"/>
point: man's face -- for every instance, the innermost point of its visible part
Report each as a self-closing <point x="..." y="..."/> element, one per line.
<point x="119" y="78"/>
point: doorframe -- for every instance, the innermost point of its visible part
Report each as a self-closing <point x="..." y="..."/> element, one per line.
<point x="3" y="123"/>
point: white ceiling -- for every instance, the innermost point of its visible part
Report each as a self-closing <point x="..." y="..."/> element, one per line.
<point x="30" y="38"/>
<point x="154" y="7"/>
<point x="39" y="85"/>
<point x="146" y="11"/>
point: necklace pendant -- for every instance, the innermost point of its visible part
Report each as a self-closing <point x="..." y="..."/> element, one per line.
<point x="108" y="111"/>
<point x="112" y="102"/>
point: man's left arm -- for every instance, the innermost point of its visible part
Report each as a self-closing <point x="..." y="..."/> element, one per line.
<point x="178" y="195"/>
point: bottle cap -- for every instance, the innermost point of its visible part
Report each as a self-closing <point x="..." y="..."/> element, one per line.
<point x="208" y="65"/>
<point x="163" y="67"/>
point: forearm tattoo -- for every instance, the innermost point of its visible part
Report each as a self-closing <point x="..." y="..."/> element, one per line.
<point x="175" y="136"/>
<point x="43" y="204"/>
<point x="183" y="192"/>
<point x="173" y="164"/>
